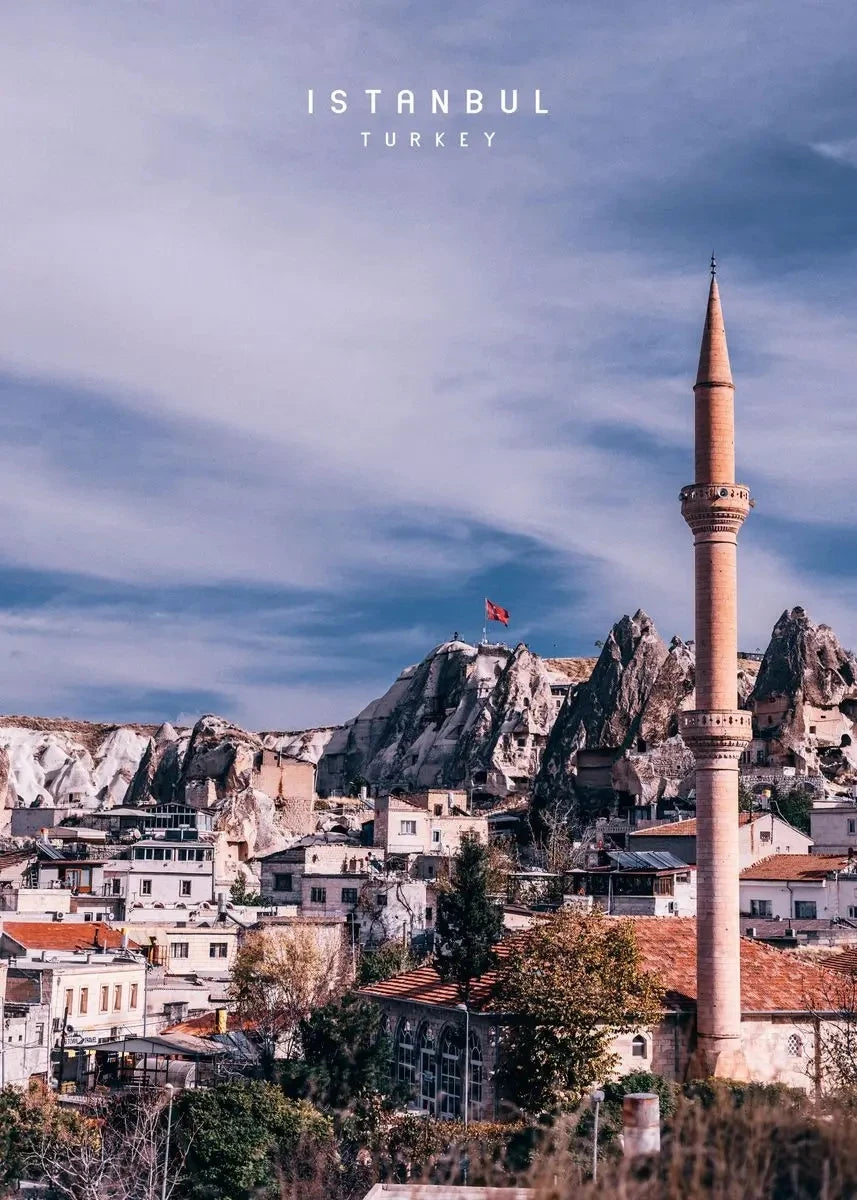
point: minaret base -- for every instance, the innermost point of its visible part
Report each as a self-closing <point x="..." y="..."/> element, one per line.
<point x="718" y="1058"/>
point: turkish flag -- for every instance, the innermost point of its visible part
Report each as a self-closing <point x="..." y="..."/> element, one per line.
<point x="493" y="612"/>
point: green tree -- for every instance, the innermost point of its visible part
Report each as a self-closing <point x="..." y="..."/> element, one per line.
<point x="239" y="892"/>
<point x="237" y="1137"/>
<point x="469" y="922"/>
<point x="385" y="961"/>
<point x="793" y="806"/>
<point x="346" y="1055"/>
<point x="569" y="985"/>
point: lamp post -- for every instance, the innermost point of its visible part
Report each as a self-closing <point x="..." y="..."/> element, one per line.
<point x="597" y="1098"/>
<point x="169" y="1089"/>
<point x="466" y="1012"/>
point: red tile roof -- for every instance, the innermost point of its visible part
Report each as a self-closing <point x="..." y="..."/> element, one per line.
<point x="61" y="935"/>
<point x="845" y="962"/>
<point x="771" y="980"/>
<point x="806" y="867"/>
<point x="681" y="828"/>
<point x="206" y="1023"/>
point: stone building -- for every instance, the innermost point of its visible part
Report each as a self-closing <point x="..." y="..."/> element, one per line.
<point x="430" y="822"/>
<point x="426" y="1021"/>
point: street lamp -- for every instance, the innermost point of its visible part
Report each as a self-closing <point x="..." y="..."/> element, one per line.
<point x="466" y="1011"/>
<point x="169" y="1089"/>
<point x="597" y="1098"/>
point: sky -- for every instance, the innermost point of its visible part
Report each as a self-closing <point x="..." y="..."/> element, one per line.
<point x="280" y="409"/>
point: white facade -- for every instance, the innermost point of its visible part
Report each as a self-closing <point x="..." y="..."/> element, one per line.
<point x="801" y="899"/>
<point x="834" y="828"/>
<point x="163" y="871"/>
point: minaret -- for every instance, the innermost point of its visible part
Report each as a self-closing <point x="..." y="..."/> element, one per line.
<point x="715" y="508"/>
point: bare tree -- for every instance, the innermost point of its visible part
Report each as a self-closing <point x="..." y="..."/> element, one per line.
<point x="121" y="1156"/>
<point x="281" y="974"/>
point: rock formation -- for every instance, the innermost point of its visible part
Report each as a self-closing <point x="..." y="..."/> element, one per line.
<point x="464" y="715"/>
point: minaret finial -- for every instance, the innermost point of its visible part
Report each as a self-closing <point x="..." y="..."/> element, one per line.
<point x="713" y="265"/>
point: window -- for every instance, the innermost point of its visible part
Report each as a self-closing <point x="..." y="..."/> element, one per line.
<point x="408" y="828"/>
<point x="664" y="885"/>
<point x="639" y="1047"/>
<point x="770" y="719"/>
<point x="104" y="998"/>
<point x="760" y="756"/>
<point x="145" y="887"/>
<point x="40" y="1033"/>
<point x="450" y="1076"/>
<point x="805" y="910"/>
<point x="405" y="1072"/>
<point x="795" y="1045"/>
<point x="852" y="912"/>
<point x="179" y="949"/>
<point x="435" y="836"/>
<point x="428" y="1070"/>
<point x="812" y="728"/>
<point x="132" y="999"/>
<point x="349" y="895"/>
<point x="521" y="743"/>
<point x="87" y="916"/>
<point x="283" y="883"/>
<point x="117" y="997"/>
<point x="318" y="895"/>
<point x="381" y="899"/>
<point x="69" y="1000"/>
<point x="184" y="887"/>
<point x="57" y="1025"/>
<point x="217" y="949"/>
<point x="116" y="885"/>
<point x="761" y="908"/>
<point x="764" y="835"/>
<point x="852" y="825"/>
<point x="438" y="810"/>
<point x="83" y="1002"/>
<point x="683" y="878"/>
<point x="429" y="914"/>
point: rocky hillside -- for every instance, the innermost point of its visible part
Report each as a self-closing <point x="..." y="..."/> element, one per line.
<point x="618" y="732"/>
<point x="465" y="715"/>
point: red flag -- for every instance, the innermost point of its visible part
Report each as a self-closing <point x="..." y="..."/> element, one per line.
<point x="493" y="612"/>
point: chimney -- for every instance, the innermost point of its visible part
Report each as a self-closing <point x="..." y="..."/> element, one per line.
<point x="123" y="940"/>
<point x="641" y="1124"/>
<point x="220" y="1020"/>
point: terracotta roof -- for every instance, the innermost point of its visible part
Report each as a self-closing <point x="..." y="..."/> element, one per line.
<point x="807" y="867"/>
<point x="845" y="962"/>
<point x="60" y="935"/>
<point x="771" y="981"/>
<point x="205" y="1024"/>
<point x="681" y="828"/>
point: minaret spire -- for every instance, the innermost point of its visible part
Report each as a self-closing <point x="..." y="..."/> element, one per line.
<point x="717" y="731"/>
<point x="714" y="369"/>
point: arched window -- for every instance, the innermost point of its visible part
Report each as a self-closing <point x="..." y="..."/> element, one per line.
<point x="427" y="1063"/>
<point x="476" y="1078"/>
<point x="795" y="1045"/>
<point x="405" y="1065"/>
<point x="639" y="1046"/>
<point x="451" y="1063"/>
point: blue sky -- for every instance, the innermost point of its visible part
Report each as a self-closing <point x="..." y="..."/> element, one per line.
<point x="277" y="411"/>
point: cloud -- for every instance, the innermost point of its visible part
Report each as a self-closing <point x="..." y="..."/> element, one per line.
<point x="243" y="357"/>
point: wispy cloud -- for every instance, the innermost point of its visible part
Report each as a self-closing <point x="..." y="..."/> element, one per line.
<point x="243" y="358"/>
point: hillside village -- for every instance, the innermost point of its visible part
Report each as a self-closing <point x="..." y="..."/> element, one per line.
<point x="136" y="860"/>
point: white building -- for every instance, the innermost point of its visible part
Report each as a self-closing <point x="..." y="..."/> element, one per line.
<point x="759" y="836"/>
<point x="833" y="824"/>
<point x="173" y="869"/>
<point x="431" y="822"/>
<point x="800" y="887"/>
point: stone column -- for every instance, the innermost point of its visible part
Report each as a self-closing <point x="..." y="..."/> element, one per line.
<point x="641" y="1124"/>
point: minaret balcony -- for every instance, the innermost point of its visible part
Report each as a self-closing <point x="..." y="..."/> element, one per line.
<point x="716" y="730"/>
<point x="715" y="507"/>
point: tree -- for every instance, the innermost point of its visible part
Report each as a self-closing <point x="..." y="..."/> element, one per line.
<point x="281" y="974"/>
<point x="236" y="1138"/>
<point x="116" y="1153"/>
<point x="469" y="923"/>
<point x="386" y="960"/>
<point x="793" y="806"/>
<point x="345" y="1055"/>
<point x="239" y="893"/>
<point x="569" y="986"/>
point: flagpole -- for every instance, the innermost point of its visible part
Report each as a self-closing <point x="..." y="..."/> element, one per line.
<point x="485" y="621"/>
